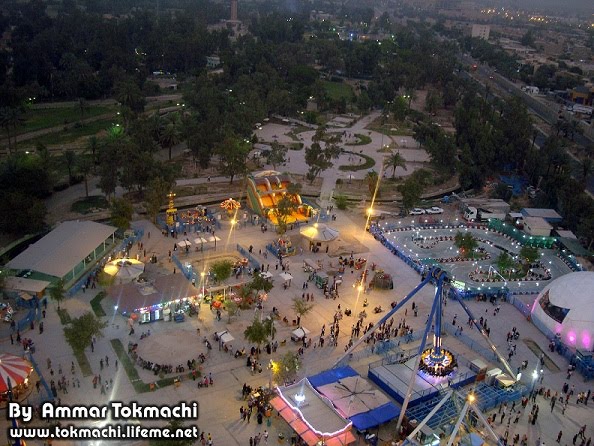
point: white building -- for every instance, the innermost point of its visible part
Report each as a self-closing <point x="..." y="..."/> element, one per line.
<point x="481" y="31"/>
<point x="566" y="308"/>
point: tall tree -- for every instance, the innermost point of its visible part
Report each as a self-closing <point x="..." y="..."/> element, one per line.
<point x="259" y="331"/>
<point x="85" y="166"/>
<point x="301" y="307"/>
<point x="393" y="161"/>
<point x="121" y="213"/>
<point x="79" y="333"/>
<point x="10" y="120"/>
<point x="170" y="134"/>
<point x="70" y="159"/>
<point x="57" y="292"/>
<point x="233" y="153"/>
<point x="277" y="154"/>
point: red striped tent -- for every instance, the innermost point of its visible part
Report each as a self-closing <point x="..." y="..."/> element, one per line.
<point x="15" y="368"/>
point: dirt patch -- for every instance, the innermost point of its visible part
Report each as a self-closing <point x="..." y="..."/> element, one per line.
<point x="345" y="245"/>
<point x="548" y="362"/>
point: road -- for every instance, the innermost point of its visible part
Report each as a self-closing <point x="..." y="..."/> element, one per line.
<point x="502" y="87"/>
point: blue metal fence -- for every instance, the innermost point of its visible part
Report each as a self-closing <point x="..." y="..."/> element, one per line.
<point x="48" y="392"/>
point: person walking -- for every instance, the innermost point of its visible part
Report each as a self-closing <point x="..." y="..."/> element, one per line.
<point x="559" y="435"/>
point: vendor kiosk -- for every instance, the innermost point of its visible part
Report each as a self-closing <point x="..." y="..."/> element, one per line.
<point x="321" y="279"/>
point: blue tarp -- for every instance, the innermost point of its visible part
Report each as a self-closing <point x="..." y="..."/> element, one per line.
<point x="331" y="376"/>
<point x="375" y="417"/>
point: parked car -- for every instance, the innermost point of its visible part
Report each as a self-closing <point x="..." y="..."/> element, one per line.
<point x="417" y="211"/>
<point x="434" y="210"/>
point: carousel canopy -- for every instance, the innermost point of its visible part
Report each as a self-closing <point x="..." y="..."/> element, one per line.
<point x="128" y="269"/>
<point x="130" y="297"/>
<point x="319" y="232"/>
<point x="15" y="368"/>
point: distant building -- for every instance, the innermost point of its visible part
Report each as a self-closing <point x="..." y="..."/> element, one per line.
<point x="213" y="62"/>
<point x="480" y="31"/>
<point x="582" y="95"/>
<point x="234" y="10"/>
<point x="550" y="215"/>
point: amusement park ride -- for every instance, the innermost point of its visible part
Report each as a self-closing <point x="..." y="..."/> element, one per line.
<point x="436" y="361"/>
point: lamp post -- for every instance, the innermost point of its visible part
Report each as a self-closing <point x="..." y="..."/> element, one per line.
<point x="534" y="378"/>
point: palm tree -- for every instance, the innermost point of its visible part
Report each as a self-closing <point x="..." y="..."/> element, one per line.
<point x="372" y="179"/>
<point x="259" y="331"/>
<point x="10" y="119"/>
<point x="93" y="146"/>
<point x="301" y="308"/>
<point x="85" y="165"/>
<point x="70" y="160"/>
<point x="170" y="134"/>
<point x="57" y="292"/>
<point x="587" y="169"/>
<point x="395" y="160"/>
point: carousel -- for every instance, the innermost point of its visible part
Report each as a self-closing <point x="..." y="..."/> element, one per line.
<point x="318" y="236"/>
<point x="18" y="370"/>
<point x="231" y="206"/>
<point x="124" y="270"/>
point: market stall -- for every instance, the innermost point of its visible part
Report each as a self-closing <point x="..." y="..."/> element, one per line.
<point x="299" y="333"/>
<point x="318" y="237"/>
<point x="287" y="278"/>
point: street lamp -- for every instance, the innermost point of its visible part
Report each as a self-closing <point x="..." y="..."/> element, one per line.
<point x="534" y="378"/>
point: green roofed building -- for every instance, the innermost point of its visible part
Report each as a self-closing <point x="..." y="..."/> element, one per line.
<point x="65" y="252"/>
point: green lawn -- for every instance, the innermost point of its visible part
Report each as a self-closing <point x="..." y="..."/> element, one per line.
<point x="69" y="135"/>
<point x="362" y="140"/>
<point x="84" y="205"/>
<point x="81" y="357"/>
<point x="368" y="164"/>
<point x="64" y="316"/>
<point x="338" y="90"/>
<point x="96" y="304"/>
<point x="37" y="119"/>
<point x="83" y="363"/>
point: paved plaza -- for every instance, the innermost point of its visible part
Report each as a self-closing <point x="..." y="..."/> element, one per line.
<point x="220" y="403"/>
<point x="176" y="343"/>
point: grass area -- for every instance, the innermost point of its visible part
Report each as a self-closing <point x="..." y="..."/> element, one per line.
<point x="129" y="367"/>
<point x="81" y="357"/>
<point x="64" y="316"/>
<point x="85" y="205"/>
<point x="139" y="385"/>
<point x="96" y="304"/>
<point x="83" y="363"/>
<point x="368" y="164"/>
<point x="362" y="140"/>
<point x="338" y="90"/>
<point x="69" y="135"/>
<point x="38" y="119"/>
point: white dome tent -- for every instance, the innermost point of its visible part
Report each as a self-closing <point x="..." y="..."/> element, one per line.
<point x="566" y="308"/>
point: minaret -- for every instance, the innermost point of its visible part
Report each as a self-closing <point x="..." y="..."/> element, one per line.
<point x="234" y="10"/>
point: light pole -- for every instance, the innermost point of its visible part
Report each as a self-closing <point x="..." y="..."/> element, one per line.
<point x="534" y="378"/>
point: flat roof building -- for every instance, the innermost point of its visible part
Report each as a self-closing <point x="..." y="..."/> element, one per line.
<point x="66" y="251"/>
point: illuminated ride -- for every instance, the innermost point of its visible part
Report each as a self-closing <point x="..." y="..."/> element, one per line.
<point x="436" y="361"/>
<point x="264" y="192"/>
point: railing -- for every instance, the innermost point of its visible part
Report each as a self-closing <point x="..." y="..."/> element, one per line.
<point x="470" y="343"/>
<point x="255" y="263"/>
<point x="48" y="391"/>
